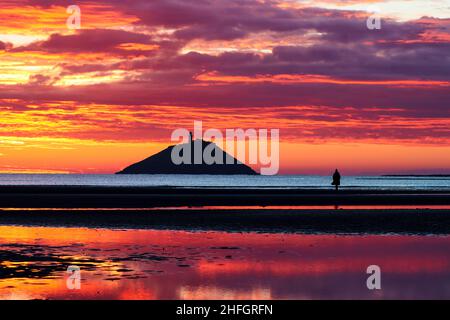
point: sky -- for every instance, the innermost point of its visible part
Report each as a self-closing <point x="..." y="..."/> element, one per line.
<point x="98" y="98"/>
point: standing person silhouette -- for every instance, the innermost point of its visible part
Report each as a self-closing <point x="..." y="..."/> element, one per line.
<point x="336" y="179"/>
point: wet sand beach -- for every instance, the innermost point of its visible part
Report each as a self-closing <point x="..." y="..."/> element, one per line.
<point x="352" y="221"/>
<point x="168" y="264"/>
<point x="146" y="197"/>
<point x="213" y="243"/>
<point x="184" y="209"/>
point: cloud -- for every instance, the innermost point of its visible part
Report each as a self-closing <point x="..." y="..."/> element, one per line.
<point x="5" y="46"/>
<point x="41" y="80"/>
<point x="144" y="122"/>
<point x="91" y="41"/>
<point x="265" y="60"/>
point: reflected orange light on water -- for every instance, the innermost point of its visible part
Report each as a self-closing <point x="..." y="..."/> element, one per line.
<point x="149" y="264"/>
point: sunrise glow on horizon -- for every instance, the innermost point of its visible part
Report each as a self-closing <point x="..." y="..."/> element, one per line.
<point x="97" y="99"/>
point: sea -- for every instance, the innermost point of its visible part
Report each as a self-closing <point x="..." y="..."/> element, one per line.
<point x="229" y="181"/>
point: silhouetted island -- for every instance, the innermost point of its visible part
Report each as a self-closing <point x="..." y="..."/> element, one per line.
<point x="161" y="163"/>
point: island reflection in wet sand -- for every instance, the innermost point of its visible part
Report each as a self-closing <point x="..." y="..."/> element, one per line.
<point x="147" y="264"/>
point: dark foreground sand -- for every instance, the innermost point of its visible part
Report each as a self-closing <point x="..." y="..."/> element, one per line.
<point x="117" y="204"/>
<point x="144" y="197"/>
<point x="376" y="221"/>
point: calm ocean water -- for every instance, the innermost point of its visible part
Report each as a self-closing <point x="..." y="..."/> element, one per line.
<point x="292" y="181"/>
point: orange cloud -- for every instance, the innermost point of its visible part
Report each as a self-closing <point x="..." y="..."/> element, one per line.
<point x="311" y="78"/>
<point x="36" y="21"/>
